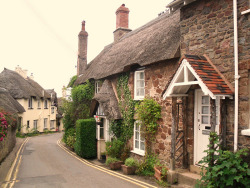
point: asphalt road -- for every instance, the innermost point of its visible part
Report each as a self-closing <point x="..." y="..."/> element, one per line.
<point x="44" y="164"/>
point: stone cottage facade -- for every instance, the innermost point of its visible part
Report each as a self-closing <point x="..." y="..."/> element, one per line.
<point x="154" y="55"/>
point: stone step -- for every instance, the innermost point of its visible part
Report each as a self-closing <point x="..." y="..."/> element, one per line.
<point x="188" y="178"/>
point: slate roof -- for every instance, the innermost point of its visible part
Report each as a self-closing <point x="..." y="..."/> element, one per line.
<point x="155" y="41"/>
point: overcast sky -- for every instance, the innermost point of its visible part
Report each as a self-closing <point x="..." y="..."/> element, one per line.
<point x="41" y="36"/>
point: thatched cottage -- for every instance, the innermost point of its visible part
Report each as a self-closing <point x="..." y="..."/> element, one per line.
<point x="184" y="60"/>
<point x="37" y="111"/>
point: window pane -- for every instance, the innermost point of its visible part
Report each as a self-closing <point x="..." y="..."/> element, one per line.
<point x="205" y="99"/>
<point x="142" y="75"/>
<point x="137" y="92"/>
<point x="137" y="75"/>
<point x="137" y="135"/>
<point x="137" y="144"/>
<point x="141" y="83"/>
<point x="204" y="119"/>
<point x="142" y="146"/>
<point x="137" y="126"/>
<point x="142" y="92"/>
<point x="101" y="133"/>
<point x="205" y="109"/>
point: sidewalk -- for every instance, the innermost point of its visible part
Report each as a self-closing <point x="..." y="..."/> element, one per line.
<point x="6" y="164"/>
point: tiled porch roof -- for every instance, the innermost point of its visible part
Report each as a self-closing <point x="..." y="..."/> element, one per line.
<point x="209" y="74"/>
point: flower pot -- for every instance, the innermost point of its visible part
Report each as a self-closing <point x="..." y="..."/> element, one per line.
<point x="158" y="174"/>
<point x="128" y="170"/>
<point x="116" y="165"/>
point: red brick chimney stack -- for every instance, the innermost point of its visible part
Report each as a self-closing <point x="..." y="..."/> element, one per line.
<point x="122" y="20"/>
<point x="82" y="50"/>
<point x="122" y="14"/>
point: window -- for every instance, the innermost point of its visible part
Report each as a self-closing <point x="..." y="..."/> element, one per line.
<point x="100" y="111"/>
<point x="45" y="122"/>
<point x="28" y="124"/>
<point x="38" y="104"/>
<point x="139" y="141"/>
<point x="52" y="110"/>
<point x="52" y="124"/>
<point x="100" y="129"/>
<point x="30" y="103"/>
<point x="139" y="85"/>
<point x="46" y="104"/>
<point x="98" y="86"/>
<point x="35" y="124"/>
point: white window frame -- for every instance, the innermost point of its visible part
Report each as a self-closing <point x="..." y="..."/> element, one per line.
<point x="140" y="97"/>
<point x="35" y="124"/>
<point x="30" y="103"/>
<point x="138" y="151"/>
<point x="45" y="123"/>
<point x="98" y="86"/>
<point x="100" y="111"/>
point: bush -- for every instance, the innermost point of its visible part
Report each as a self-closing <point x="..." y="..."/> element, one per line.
<point x="114" y="148"/>
<point x="224" y="168"/>
<point x="85" y="145"/>
<point x="71" y="141"/>
<point x="111" y="160"/>
<point x="146" y="167"/>
<point x="67" y="133"/>
<point x="130" y="162"/>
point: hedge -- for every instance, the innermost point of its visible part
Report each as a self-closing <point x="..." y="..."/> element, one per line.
<point x="85" y="145"/>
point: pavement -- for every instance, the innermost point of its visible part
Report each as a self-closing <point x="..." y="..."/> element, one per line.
<point x="44" y="162"/>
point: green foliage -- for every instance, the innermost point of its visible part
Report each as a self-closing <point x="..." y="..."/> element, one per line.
<point x="72" y="81"/>
<point x="85" y="145"/>
<point x="111" y="160"/>
<point x="126" y="106"/>
<point x="149" y="112"/>
<point x="115" y="128"/>
<point x="20" y="135"/>
<point x="79" y="106"/>
<point x="68" y="132"/>
<point x="146" y="167"/>
<point x="70" y="141"/>
<point x="223" y="168"/>
<point x="125" y="153"/>
<point x="114" y="149"/>
<point x="130" y="162"/>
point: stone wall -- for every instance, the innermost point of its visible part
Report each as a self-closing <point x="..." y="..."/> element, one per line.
<point x="207" y="28"/>
<point x="8" y="143"/>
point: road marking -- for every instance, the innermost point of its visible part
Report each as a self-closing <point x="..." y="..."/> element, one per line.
<point x="113" y="173"/>
<point x="9" y="175"/>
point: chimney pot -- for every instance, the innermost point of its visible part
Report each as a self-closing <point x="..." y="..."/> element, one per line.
<point x="122" y="17"/>
<point x="83" y="25"/>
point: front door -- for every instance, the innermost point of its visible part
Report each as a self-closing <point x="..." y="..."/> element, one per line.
<point x="202" y="124"/>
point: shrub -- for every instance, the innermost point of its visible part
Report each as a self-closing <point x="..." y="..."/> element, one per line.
<point x="85" y="145"/>
<point x="67" y="133"/>
<point x="146" y="167"/>
<point x="130" y="162"/>
<point x="224" y="168"/>
<point x="111" y="160"/>
<point x="114" y="148"/>
<point x="71" y="141"/>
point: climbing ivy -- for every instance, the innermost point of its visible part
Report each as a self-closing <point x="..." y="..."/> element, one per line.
<point x="126" y="106"/>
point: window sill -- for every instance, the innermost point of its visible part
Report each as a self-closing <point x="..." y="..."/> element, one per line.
<point x="139" y="98"/>
<point x="141" y="153"/>
<point x="30" y="108"/>
<point x="245" y="132"/>
<point x="46" y="108"/>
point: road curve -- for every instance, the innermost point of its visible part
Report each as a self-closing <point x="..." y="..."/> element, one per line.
<point x="45" y="165"/>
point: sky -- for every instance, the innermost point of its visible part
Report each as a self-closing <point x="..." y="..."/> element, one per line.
<point x="41" y="36"/>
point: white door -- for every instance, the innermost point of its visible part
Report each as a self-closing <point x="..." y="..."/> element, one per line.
<point x="202" y="124"/>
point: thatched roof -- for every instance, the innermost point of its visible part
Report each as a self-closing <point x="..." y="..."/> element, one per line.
<point x="19" y="87"/>
<point x="8" y="103"/>
<point x="53" y="96"/>
<point x="107" y="99"/>
<point x="156" y="41"/>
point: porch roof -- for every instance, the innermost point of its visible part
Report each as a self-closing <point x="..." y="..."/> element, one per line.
<point x="194" y="69"/>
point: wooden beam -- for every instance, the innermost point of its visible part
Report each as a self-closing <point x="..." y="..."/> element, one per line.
<point x="186" y="83"/>
<point x="185" y="133"/>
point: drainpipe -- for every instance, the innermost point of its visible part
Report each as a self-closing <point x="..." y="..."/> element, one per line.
<point x="236" y="102"/>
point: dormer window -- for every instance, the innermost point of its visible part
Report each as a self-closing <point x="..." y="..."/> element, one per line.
<point x="30" y="103"/>
<point x="98" y="86"/>
<point x="139" y="85"/>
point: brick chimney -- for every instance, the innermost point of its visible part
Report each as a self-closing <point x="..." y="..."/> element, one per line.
<point x="122" y="14"/>
<point x="82" y="50"/>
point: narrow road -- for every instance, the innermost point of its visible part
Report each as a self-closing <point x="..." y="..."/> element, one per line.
<point x="44" y="164"/>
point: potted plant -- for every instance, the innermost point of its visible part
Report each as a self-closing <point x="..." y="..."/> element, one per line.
<point x="129" y="167"/>
<point x="160" y="172"/>
<point x="114" y="163"/>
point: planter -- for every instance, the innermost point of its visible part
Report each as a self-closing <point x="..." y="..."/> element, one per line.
<point x="128" y="170"/>
<point x="158" y="174"/>
<point x="116" y="165"/>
